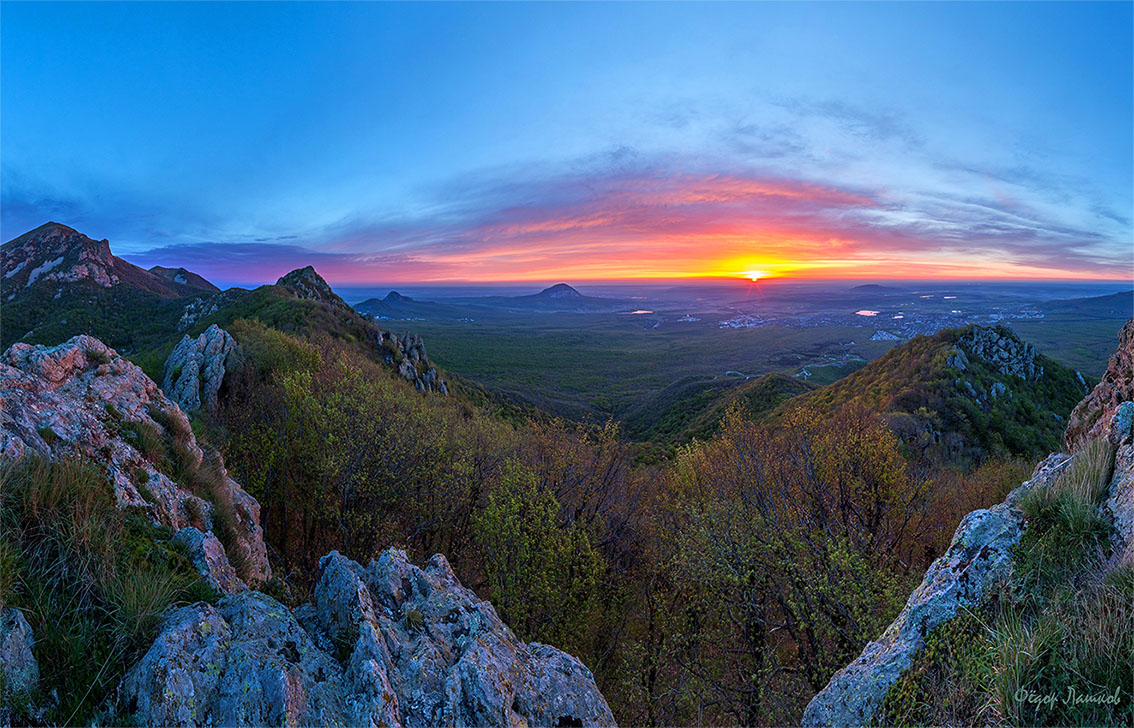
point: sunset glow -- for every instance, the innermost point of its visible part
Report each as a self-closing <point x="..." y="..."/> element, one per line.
<point x="732" y="140"/>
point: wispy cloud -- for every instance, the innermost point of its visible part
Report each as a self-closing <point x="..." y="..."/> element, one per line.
<point x="626" y="216"/>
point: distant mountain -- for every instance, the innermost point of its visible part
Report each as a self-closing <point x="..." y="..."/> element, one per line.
<point x="185" y="277"/>
<point x="960" y="395"/>
<point x="558" y="298"/>
<point x="56" y="283"/>
<point x="398" y="307"/>
<point x="1114" y="306"/>
<point x="395" y="297"/>
<point x="875" y="288"/>
<point x="55" y="255"/>
<point x="559" y="291"/>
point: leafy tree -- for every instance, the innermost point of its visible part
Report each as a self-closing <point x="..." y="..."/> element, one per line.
<point x="542" y="577"/>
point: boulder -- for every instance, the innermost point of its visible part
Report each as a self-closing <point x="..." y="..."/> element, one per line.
<point x="245" y="661"/>
<point x="19" y="672"/>
<point x="195" y="369"/>
<point x="390" y="644"/>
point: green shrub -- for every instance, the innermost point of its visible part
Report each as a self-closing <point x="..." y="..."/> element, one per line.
<point x="49" y="435"/>
<point x="542" y="576"/>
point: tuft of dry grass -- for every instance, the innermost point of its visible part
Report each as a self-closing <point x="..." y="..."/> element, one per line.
<point x="91" y="579"/>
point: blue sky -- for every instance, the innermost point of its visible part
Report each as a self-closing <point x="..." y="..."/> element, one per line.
<point x="390" y="142"/>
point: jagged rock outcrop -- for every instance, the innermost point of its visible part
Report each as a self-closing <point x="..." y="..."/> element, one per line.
<point x="386" y="645"/>
<point x="82" y="399"/>
<point x="980" y="556"/>
<point x="999" y="347"/>
<point x="195" y="369"/>
<point x="407" y="354"/>
<point x="306" y="283"/>
<point x="1093" y="415"/>
<point x="19" y="672"/>
<point x="208" y="556"/>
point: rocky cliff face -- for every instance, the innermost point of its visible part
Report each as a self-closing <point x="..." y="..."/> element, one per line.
<point x="195" y="369"/>
<point x="980" y="555"/>
<point x="82" y="399"/>
<point x="1092" y="417"/>
<point x="386" y="645"/>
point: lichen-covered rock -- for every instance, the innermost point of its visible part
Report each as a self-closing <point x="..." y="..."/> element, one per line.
<point x="246" y="661"/>
<point x="195" y="369"/>
<point x="208" y="556"/>
<point x="386" y="645"/>
<point x="1092" y="417"/>
<point x="19" y="672"/>
<point x="978" y="558"/>
<point x="81" y="399"/>
<point x="446" y="654"/>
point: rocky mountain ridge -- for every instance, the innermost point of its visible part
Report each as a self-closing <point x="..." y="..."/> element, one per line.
<point x="961" y="395"/>
<point x="55" y="253"/>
